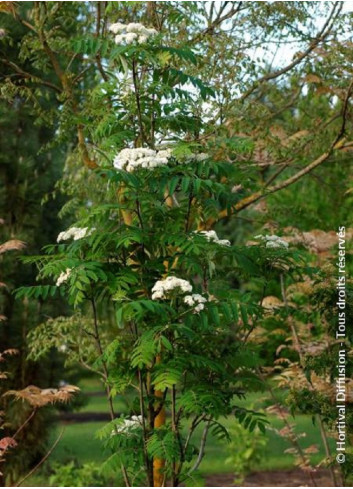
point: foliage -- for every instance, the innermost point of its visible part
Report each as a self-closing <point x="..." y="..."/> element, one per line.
<point x="73" y="475"/>
<point x="32" y="398"/>
<point x="252" y="130"/>
<point x="245" y="450"/>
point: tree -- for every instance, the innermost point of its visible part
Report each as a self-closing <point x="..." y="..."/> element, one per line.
<point x="212" y="150"/>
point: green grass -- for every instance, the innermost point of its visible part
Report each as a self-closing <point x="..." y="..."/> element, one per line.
<point x="79" y="443"/>
<point x="274" y="457"/>
<point x="79" y="440"/>
<point x="99" y="404"/>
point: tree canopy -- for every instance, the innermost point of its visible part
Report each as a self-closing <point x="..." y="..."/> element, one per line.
<point x="192" y="150"/>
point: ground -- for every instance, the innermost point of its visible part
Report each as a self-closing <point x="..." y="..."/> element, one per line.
<point x="275" y="478"/>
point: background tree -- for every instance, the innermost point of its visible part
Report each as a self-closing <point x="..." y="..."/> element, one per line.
<point x="277" y="122"/>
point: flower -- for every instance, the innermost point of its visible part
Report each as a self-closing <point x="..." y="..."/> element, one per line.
<point x="196" y="300"/>
<point x="117" y="27"/>
<point x="128" y="425"/>
<point x="198" y="157"/>
<point x="75" y="233"/>
<point x="130" y="37"/>
<point x="162" y="287"/>
<point x="131" y="159"/>
<point x="212" y="236"/>
<point x="129" y="33"/>
<point x="199" y="308"/>
<point x="63" y="277"/>
<point x="272" y="241"/>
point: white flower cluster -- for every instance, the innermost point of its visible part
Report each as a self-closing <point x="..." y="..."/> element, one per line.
<point x="129" y="33"/>
<point x="131" y="159"/>
<point x="196" y="300"/>
<point x="63" y="348"/>
<point x="272" y="241"/>
<point x="75" y="233"/>
<point x="63" y="277"/>
<point x="196" y="157"/>
<point x="128" y="425"/>
<point x="162" y="287"/>
<point x="212" y="236"/>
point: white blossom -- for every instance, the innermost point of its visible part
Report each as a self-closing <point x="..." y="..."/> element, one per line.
<point x="128" y="425"/>
<point x="63" y="277"/>
<point x="223" y="242"/>
<point x="199" y="308"/>
<point x="163" y="287"/>
<point x="117" y="27"/>
<point x="130" y="37"/>
<point x="212" y="236"/>
<point x="272" y="241"/>
<point x="201" y="157"/>
<point x="119" y="39"/>
<point x="131" y="159"/>
<point x="236" y="188"/>
<point x="75" y="233"/>
<point x="128" y="33"/>
<point x="194" y="157"/>
<point x="196" y="300"/>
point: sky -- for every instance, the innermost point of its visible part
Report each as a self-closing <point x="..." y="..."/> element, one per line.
<point x="348" y="6"/>
<point x="281" y="55"/>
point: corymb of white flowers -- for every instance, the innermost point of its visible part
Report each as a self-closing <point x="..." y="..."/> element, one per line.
<point x="132" y="159"/>
<point x="128" y="425"/>
<point x="272" y="241"/>
<point x="212" y="236"/>
<point x="196" y="300"/>
<point x="75" y="233"/>
<point x="63" y="277"/>
<point x="198" y="157"/>
<point x="129" y="33"/>
<point x="162" y="288"/>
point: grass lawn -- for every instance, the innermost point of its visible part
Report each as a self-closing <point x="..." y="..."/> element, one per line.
<point x="79" y="440"/>
<point x="79" y="443"/>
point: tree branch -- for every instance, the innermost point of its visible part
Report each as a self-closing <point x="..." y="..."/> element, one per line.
<point x="242" y="204"/>
<point x="202" y="448"/>
<point x="47" y="455"/>
<point x="217" y="21"/>
<point x="321" y="36"/>
<point x="29" y="76"/>
<point x="338" y="143"/>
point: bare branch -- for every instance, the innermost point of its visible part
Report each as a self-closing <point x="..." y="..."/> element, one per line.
<point x="337" y="144"/>
<point x="218" y="20"/>
<point x="47" y="455"/>
<point x="202" y="448"/>
<point x="321" y="36"/>
<point x="30" y="76"/>
<point x="242" y="204"/>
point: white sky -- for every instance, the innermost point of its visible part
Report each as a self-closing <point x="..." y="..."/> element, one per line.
<point x="348" y="6"/>
<point x="281" y="55"/>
